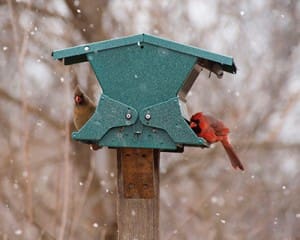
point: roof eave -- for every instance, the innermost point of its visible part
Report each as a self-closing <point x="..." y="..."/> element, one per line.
<point x="78" y="53"/>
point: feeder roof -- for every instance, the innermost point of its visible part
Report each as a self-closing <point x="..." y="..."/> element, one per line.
<point x="79" y="53"/>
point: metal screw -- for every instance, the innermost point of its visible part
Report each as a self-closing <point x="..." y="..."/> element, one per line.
<point x="128" y="116"/>
<point x="147" y="116"/>
<point x="139" y="44"/>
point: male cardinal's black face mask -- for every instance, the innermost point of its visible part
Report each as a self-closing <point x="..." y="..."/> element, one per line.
<point x="195" y="125"/>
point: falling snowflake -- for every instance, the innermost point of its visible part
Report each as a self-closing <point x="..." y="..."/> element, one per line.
<point x="18" y="232"/>
<point x="95" y="225"/>
<point x="133" y="212"/>
<point x="223" y="221"/>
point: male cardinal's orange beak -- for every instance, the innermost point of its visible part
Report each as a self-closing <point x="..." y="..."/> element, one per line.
<point x="193" y="124"/>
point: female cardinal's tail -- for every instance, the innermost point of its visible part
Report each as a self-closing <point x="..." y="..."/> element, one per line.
<point x="234" y="159"/>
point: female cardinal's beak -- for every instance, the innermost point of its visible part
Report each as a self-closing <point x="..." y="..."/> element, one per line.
<point x="78" y="99"/>
<point x="193" y="124"/>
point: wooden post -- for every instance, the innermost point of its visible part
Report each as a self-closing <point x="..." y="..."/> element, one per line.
<point x="138" y="194"/>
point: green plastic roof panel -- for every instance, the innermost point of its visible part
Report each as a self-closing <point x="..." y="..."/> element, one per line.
<point x="78" y="54"/>
<point x="141" y="77"/>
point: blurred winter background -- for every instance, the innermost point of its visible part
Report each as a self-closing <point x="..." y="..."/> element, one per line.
<point x="54" y="188"/>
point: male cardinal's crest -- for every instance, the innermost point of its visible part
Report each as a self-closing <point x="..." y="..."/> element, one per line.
<point x="214" y="130"/>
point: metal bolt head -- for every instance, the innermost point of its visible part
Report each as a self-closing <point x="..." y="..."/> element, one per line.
<point x="147" y="116"/>
<point x="128" y="116"/>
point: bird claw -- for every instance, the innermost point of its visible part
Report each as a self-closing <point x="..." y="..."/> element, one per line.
<point x="95" y="147"/>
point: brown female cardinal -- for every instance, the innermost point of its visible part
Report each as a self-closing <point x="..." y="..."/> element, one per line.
<point x="84" y="108"/>
<point x="214" y="130"/>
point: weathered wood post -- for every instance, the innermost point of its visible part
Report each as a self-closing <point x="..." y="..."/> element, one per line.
<point x="144" y="80"/>
<point x="138" y="193"/>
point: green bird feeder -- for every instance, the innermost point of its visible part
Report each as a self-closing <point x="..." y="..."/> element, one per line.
<point x="143" y="78"/>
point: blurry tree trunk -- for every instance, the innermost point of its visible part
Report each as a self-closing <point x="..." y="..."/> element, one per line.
<point x="88" y="18"/>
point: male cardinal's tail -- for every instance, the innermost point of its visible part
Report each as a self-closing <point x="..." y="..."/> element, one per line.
<point x="234" y="159"/>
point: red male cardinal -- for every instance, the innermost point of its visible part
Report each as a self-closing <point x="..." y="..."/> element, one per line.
<point x="214" y="130"/>
<point x="83" y="110"/>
